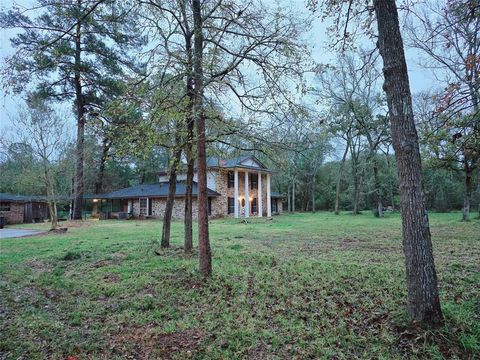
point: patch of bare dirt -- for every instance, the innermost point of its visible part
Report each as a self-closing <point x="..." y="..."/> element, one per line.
<point x="144" y="342"/>
<point x="75" y="223"/>
<point x="411" y="340"/>
<point x="38" y="266"/>
<point x="111" y="278"/>
<point x="116" y="259"/>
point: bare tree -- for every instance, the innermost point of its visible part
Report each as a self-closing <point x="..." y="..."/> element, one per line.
<point x="44" y="131"/>
<point x="350" y="90"/>
<point x="238" y="38"/>
<point x="448" y="34"/>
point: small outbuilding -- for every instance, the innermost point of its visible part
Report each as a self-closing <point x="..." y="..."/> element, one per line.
<point x="17" y="209"/>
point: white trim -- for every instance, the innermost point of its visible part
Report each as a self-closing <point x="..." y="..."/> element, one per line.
<point x="140" y="206"/>
<point x="269" y="200"/>
<point x="260" y="196"/>
<point x="247" y="200"/>
<point x="235" y="196"/>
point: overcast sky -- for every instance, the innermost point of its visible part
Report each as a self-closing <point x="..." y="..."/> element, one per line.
<point x="317" y="38"/>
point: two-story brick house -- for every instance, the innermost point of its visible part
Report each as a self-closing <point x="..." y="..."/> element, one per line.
<point x="239" y="187"/>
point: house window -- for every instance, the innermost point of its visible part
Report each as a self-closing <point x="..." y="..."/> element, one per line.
<point x="4" y="206"/>
<point x="231" y="205"/>
<point x="143" y="206"/>
<point x="209" y="206"/>
<point x="254" y="206"/>
<point x="231" y="179"/>
<point x="150" y="207"/>
<point x="253" y="181"/>
<point x="274" y="205"/>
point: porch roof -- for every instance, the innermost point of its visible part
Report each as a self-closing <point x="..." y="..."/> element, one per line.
<point x="277" y="195"/>
<point x="152" y="190"/>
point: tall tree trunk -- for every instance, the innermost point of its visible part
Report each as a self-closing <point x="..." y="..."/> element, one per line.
<point x="80" y="107"/>
<point x="172" y="189"/>
<point x="378" y="191"/>
<point x="339" y="179"/>
<point x="205" y="256"/>
<point x="355" y="193"/>
<point x="313" y="194"/>
<point x="468" y="192"/>
<point x="293" y="196"/>
<point x="289" y="199"/>
<point x="423" y="303"/>
<point x="101" y="167"/>
<point x="188" y="216"/>
<point x="188" y="221"/>
<point x="52" y="205"/>
<point x="356" y="176"/>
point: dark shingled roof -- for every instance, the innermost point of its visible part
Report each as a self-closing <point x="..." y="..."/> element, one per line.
<point x="213" y="162"/>
<point x="216" y="162"/>
<point x="152" y="190"/>
<point x="20" y="198"/>
<point x="275" y="194"/>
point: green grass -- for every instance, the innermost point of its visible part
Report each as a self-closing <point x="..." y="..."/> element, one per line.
<point x="299" y="286"/>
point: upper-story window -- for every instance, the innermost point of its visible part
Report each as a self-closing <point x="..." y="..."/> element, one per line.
<point x="253" y="181"/>
<point x="231" y="179"/>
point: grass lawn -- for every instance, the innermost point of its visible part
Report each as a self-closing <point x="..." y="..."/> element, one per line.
<point x="300" y="286"/>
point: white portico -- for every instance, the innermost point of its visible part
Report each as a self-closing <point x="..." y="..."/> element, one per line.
<point x="251" y="190"/>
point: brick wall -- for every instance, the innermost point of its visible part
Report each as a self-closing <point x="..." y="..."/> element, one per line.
<point x="159" y="204"/>
<point x="15" y="215"/>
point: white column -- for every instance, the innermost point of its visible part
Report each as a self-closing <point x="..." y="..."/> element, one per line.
<point x="260" y="196"/>
<point x="247" y="202"/>
<point x="235" y="196"/>
<point x="269" y="201"/>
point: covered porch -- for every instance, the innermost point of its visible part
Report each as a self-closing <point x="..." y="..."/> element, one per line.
<point x="251" y="193"/>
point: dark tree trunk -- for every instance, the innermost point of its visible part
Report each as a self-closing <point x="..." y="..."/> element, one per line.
<point x="188" y="221"/>
<point x="289" y="200"/>
<point x="357" y="178"/>
<point x="172" y="189"/>
<point x="468" y="192"/>
<point x="188" y="216"/>
<point x="356" y="187"/>
<point x="205" y="256"/>
<point x="378" y="190"/>
<point x="52" y="205"/>
<point x="293" y="196"/>
<point x="101" y="167"/>
<point x="423" y="303"/>
<point x="79" y="102"/>
<point x="313" y="194"/>
<point x="339" y="179"/>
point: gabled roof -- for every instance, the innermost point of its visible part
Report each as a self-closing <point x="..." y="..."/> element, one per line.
<point x="21" y="198"/>
<point x="152" y="190"/>
<point x="237" y="162"/>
